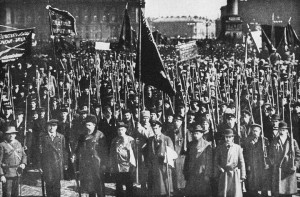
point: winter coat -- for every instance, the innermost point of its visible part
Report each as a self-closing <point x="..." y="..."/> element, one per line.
<point x="160" y="179"/>
<point x="284" y="179"/>
<point x="92" y="156"/>
<point x="53" y="156"/>
<point x="198" y="165"/>
<point x="232" y="161"/>
<point x="258" y="178"/>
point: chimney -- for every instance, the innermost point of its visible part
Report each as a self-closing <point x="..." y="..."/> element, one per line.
<point x="232" y="7"/>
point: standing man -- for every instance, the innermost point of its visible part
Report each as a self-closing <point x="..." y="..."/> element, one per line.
<point x="177" y="137"/>
<point x="160" y="176"/>
<point x="229" y="167"/>
<point x="92" y="156"/>
<point x="257" y="164"/>
<point x="12" y="161"/>
<point x="122" y="160"/>
<point x="285" y="158"/>
<point x="53" y="159"/>
<point x="198" y="165"/>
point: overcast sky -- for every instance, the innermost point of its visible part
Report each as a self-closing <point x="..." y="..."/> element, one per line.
<point x="205" y="8"/>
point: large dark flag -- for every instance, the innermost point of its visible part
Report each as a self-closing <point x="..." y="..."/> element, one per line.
<point x="126" y="40"/>
<point x="265" y="39"/>
<point x="15" y="44"/>
<point x="152" y="69"/>
<point x="290" y="37"/>
<point x="62" y="23"/>
<point x="276" y="33"/>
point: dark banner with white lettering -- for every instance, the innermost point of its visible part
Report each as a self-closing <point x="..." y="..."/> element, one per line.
<point x="62" y="22"/>
<point x="15" y="44"/>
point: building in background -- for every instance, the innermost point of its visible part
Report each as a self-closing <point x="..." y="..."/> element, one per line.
<point x="186" y="27"/>
<point x="259" y="12"/>
<point x="97" y="20"/>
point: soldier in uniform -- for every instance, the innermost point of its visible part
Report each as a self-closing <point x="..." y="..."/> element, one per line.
<point x="122" y="160"/>
<point x="198" y="165"/>
<point x="12" y="161"/>
<point x="53" y="158"/>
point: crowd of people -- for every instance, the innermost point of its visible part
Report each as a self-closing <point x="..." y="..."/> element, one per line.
<point x="232" y="128"/>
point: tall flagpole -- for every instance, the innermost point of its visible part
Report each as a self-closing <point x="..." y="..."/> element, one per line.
<point x="139" y="80"/>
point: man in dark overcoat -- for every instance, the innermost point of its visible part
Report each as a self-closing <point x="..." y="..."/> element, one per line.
<point x="53" y="159"/>
<point x="92" y="155"/>
<point x="285" y="157"/>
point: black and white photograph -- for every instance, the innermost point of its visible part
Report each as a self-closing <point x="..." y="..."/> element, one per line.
<point x="149" y="98"/>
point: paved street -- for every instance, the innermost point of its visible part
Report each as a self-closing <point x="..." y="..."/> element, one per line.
<point x="31" y="186"/>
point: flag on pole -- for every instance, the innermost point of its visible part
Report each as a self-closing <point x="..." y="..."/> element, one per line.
<point x="256" y="37"/>
<point x="61" y="22"/>
<point x="273" y="40"/>
<point x="266" y="40"/>
<point x="15" y="44"/>
<point x="152" y="69"/>
<point x="126" y="35"/>
<point x="290" y="36"/>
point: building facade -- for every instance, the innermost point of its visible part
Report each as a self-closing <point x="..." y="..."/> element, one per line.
<point x="259" y="12"/>
<point x="185" y="27"/>
<point x="97" y="20"/>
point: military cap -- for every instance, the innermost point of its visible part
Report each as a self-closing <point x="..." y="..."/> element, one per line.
<point x="52" y="122"/>
<point x="283" y="125"/>
<point x="245" y="111"/>
<point x="19" y="111"/>
<point x="194" y="101"/>
<point x="121" y="124"/>
<point x="83" y="111"/>
<point x="203" y="119"/>
<point x="42" y="109"/>
<point x="228" y="132"/>
<point x="191" y="113"/>
<point x="156" y="122"/>
<point x="275" y="117"/>
<point x="11" y="129"/>
<point x="255" y="125"/>
<point x="296" y="104"/>
<point x="91" y="118"/>
<point x="126" y="111"/>
<point x="97" y="105"/>
<point x="34" y="112"/>
<point x="181" y="105"/>
<point x="145" y="113"/>
<point x="197" y="128"/>
<point x="153" y="110"/>
<point x="177" y="117"/>
<point x="64" y="110"/>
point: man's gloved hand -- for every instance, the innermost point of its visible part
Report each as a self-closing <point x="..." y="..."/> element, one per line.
<point x="3" y="179"/>
<point x="22" y="166"/>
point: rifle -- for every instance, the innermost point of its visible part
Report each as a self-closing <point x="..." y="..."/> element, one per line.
<point x="168" y="176"/>
<point x="213" y="128"/>
<point x="262" y="135"/>
<point x="43" y="183"/>
<point x="76" y="173"/>
<point x="291" y="125"/>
